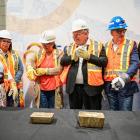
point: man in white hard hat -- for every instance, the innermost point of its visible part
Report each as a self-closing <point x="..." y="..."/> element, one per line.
<point x="45" y="68"/>
<point x="85" y="59"/>
<point x="13" y="68"/>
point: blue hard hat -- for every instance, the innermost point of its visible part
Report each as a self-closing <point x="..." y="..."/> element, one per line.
<point x="117" y="22"/>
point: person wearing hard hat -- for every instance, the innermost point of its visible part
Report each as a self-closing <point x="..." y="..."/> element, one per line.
<point x="44" y="68"/>
<point x="13" y="69"/>
<point x="85" y="58"/>
<point x="2" y="89"/>
<point x="122" y="66"/>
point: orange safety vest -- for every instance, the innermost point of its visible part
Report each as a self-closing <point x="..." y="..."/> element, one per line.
<point x="11" y="64"/>
<point x="119" y="61"/>
<point x="56" y="54"/>
<point x="94" y="72"/>
<point x="6" y="81"/>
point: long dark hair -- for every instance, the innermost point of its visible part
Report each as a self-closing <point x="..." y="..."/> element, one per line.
<point x="54" y="46"/>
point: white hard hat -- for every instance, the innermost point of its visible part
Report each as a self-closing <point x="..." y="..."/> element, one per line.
<point x="79" y="24"/>
<point x="47" y="36"/>
<point x="5" y="34"/>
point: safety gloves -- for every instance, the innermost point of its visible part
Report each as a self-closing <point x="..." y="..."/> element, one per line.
<point x="14" y="92"/>
<point x="42" y="71"/>
<point x="48" y="71"/>
<point x="84" y="54"/>
<point x="120" y="81"/>
<point x="117" y="83"/>
<point x="31" y="73"/>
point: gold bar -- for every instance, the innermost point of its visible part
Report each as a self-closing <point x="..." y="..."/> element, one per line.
<point x="42" y="117"/>
<point x="91" y="119"/>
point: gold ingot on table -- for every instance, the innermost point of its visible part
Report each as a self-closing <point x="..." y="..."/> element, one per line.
<point x="42" y="117"/>
<point x="91" y="119"/>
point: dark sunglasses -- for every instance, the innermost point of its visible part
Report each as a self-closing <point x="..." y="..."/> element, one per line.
<point x="119" y="31"/>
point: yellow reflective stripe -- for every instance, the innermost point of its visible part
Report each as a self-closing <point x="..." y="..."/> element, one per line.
<point x="40" y="57"/>
<point x="11" y="63"/>
<point x="96" y="48"/>
<point x="107" y="47"/>
<point x="131" y="44"/>
<point x="92" y="66"/>
<point x="15" y="61"/>
<point x="124" y="55"/>
<point x="70" y="49"/>
<point x="95" y="70"/>
<point x="90" y="48"/>
<point x="115" y="72"/>
<point x="56" y="54"/>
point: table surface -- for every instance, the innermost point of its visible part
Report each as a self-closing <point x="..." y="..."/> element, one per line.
<point x="119" y="125"/>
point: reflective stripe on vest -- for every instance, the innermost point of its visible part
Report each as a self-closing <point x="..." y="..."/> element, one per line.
<point x="6" y="81"/>
<point x="94" y="72"/>
<point x="56" y="55"/>
<point x="121" y="62"/>
<point x="12" y="65"/>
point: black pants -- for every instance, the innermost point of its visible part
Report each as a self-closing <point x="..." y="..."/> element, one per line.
<point x="79" y="99"/>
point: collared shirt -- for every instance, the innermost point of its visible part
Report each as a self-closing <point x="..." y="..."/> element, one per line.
<point x="115" y="46"/>
<point x="3" y="53"/>
<point x="79" y="77"/>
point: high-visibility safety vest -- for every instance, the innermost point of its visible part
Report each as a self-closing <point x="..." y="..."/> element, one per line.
<point x="94" y="72"/>
<point x="6" y="81"/>
<point x="118" y="61"/>
<point x="40" y="56"/>
<point x="11" y="64"/>
<point x="56" y="56"/>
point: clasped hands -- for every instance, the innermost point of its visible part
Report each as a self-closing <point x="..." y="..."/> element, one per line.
<point x="80" y="52"/>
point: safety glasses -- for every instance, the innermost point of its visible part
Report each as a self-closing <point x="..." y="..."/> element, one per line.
<point x="119" y="31"/>
<point x="6" y="41"/>
<point x="48" y="44"/>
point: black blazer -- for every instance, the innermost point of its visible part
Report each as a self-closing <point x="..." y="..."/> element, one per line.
<point x="100" y="61"/>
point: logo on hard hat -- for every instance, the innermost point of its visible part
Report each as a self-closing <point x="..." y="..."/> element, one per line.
<point x="118" y="20"/>
<point x="111" y="23"/>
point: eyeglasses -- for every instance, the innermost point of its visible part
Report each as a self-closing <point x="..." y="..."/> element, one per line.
<point x="77" y="33"/>
<point x="119" y="31"/>
<point x="48" y="44"/>
<point x="6" y="41"/>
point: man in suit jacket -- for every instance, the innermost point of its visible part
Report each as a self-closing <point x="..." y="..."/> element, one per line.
<point x="85" y="58"/>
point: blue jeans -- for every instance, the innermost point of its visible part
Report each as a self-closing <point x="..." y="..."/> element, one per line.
<point x="47" y="99"/>
<point x="118" y="100"/>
